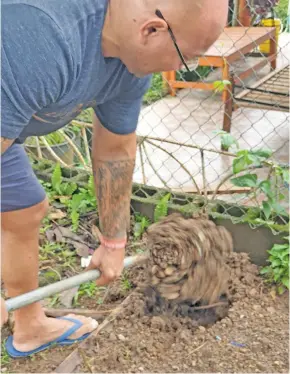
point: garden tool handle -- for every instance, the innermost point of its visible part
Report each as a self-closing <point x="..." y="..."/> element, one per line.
<point x="66" y="284"/>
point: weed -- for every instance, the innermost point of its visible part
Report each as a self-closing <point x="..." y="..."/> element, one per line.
<point x="278" y="270"/>
<point x="53" y="300"/>
<point x="86" y="289"/>
<point x="161" y="209"/>
<point x="140" y="226"/>
<point x="126" y="284"/>
<point x="62" y="189"/>
<point x="5" y="358"/>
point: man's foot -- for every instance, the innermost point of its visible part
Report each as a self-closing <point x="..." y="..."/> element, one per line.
<point x="47" y="330"/>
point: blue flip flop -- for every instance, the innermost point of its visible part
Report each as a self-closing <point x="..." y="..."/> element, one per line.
<point x="60" y="341"/>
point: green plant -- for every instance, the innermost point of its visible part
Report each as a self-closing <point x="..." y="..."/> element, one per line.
<point x="53" y="138"/>
<point x="227" y="140"/>
<point x="247" y="162"/>
<point x="126" y="284"/>
<point x="54" y="300"/>
<point x="5" y="358"/>
<point x="156" y="90"/>
<point x="63" y="189"/>
<point x="201" y="72"/>
<point x="76" y="200"/>
<point x="86" y="289"/>
<point x="282" y="12"/>
<point x="219" y="86"/>
<point x="277" y="271"/>
<point x="86" y="115"/>
<point x="161" y="209"/>
<point x="140" y="226"/>
<point x="269" y="186"/>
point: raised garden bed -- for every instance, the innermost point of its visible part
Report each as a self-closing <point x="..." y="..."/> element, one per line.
<point x="260" y="239"/>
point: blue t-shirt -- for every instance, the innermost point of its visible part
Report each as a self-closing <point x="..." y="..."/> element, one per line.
<point x="53" y="68"/>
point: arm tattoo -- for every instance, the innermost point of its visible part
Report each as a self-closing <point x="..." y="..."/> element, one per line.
<point x="113" y="185"/>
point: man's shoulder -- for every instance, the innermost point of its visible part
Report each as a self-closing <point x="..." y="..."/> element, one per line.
<point x="65" y="13"/>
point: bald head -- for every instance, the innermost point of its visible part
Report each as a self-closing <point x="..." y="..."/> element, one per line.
<point x="143" y="42"/>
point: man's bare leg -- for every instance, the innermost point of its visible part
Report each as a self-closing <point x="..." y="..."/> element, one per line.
<point x="20" y="234"/>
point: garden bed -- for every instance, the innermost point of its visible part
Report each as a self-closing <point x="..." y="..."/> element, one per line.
<point x="253" y="337"/>
<point x="247" y="334"/>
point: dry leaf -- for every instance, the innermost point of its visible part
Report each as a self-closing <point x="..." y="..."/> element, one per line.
<point x="56" y="214"/>
<point x="66" y="297"/>
<point x="65" y="235"/>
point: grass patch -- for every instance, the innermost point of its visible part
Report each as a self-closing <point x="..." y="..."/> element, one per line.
<point x="5" y="358"/>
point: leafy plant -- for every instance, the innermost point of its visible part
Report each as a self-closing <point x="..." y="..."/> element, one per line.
<point x="219" y="86"/>
<point x="63" y="189"/>
<point x="278" y="270"/>
<point x="125" y="282"/>
<point x="86" y="289"/>
<point x="53" y="138"/>
<point x="140" y="226"/>
<point x="227" y="140"/>
<point x="156" y="90"/>
<point x="247" y="162"/>
<point x="5" y="358"/>
<point x="161" y="209"/>
<point x="201" y="72"/>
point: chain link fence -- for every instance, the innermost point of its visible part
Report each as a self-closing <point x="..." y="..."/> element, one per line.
<point x="216" y="139"/>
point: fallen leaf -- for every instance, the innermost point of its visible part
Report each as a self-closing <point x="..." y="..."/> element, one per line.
<point x="65" y="235"/>
<point x="66" y="297"/>
<point x="56" y="214"/>
<point x="82" y="249"/>
<point x="50" y="235"/>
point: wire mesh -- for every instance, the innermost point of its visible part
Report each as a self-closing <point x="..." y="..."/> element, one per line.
<point x="190" y="137"/>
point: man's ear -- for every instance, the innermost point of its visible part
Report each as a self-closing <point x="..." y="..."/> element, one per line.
<point x="152" y="28"/>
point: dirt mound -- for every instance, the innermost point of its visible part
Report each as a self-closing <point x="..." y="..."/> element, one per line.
<point x="188" y="259"/>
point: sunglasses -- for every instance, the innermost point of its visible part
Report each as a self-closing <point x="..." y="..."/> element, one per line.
<point x="160" y="15"/>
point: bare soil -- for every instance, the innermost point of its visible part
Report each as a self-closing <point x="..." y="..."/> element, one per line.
<point x="253" y="338"/>
<point x="239" y="326"/>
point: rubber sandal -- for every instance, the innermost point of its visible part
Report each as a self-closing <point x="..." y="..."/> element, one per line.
<point x="60" y="341"/>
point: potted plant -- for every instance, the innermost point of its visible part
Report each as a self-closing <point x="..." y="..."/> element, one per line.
<point x="55" y="142"/>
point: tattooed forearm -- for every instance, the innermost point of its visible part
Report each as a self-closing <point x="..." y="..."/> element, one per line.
<point x="114" y="183"/>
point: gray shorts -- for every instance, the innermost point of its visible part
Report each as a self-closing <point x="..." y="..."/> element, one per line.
<point x="20" y="187"/>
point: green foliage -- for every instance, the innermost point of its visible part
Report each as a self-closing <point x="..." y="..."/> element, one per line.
<point x="86" y="289"/>
<point x="156" y="90"/>
<point x="277" y="271"/>
<point x="246" y="158"/>
<point x="53" y="138"/>
<point x="140" y="226"/>
<point x="126" y="284"/>
<point x="282" y="11"/>
<point x="161" y="209"/>
<point x="247" y="162"/>
<point x="63" y="189"/>
<point x="76" y="200"/>
<point x="5" y="358"/>
<point x="86" y="115"/>
<point x="219" y="86"/>
<point x="201" y="72"/>
<point x="248" y="180"/>
<point x="227" y="140"/>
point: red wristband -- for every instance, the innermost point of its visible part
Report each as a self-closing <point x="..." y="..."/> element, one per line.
<point x="113" y="243"/>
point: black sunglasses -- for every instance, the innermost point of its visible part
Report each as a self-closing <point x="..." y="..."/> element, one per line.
<point x="160" y="15"/>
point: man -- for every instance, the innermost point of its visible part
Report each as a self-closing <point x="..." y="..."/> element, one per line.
<point x="58" y="56"/>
